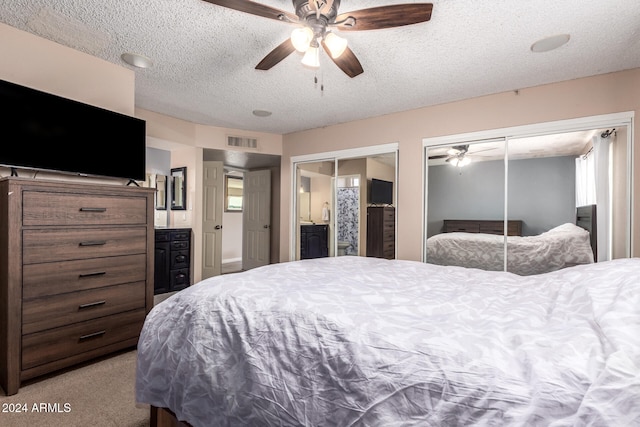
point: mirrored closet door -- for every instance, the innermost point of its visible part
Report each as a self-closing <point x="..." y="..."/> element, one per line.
<point x="337" y="204"/>
<point x="563" y="198"/>
<point x="465" y="204"/>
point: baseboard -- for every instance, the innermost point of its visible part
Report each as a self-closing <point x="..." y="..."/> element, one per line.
<point x="230" y="260"/>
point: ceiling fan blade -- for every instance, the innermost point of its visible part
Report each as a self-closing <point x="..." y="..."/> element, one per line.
<point x="439" y="156"/>
<point x="381" y="17"/>
<point x="256" y="9"/>
<point x="347" y="62"/>
<point x="276" y="55"/>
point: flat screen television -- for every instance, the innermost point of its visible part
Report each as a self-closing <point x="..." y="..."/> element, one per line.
<point x="41" y="131"/>
<point x="381" y="192"/>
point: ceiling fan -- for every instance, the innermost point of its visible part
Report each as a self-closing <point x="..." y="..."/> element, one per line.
<point x="317" y="18"/>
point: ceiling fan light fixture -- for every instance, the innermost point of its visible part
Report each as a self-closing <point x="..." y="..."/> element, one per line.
<point x="336" y="45"/>
<point x="459" y="162"/>
<point x="301" y="38"/>
<point x="312" y="57"/>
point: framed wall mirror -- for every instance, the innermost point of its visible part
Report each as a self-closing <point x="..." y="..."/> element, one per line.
<point x="161" y="193"/>
<point x="179" y="189"/>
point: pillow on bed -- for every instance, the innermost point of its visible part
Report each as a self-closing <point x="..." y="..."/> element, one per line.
<point x="567" y="228"/>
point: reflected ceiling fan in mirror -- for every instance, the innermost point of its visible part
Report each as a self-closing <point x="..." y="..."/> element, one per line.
<point x="458" y="155"/>
<point x="316" y="20"/>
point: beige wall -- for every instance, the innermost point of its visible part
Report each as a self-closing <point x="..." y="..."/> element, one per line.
<point x="50" y="67"/>
<point x="604" y="94"/>
<point x="44" y="65"/>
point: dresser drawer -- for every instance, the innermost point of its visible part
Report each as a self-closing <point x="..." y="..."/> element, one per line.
<point x="64" y="309"/>
<point x="55" y="344"/>
<point x="43" y="208"/>
<point x="179" y="245"/>
<point x="389" y="235"/>
<point x="389" y="215"/>
<point x="69" y="276"/>
<point x="179" y="259"/>
<point x="389" y="226"/>
<point x="45" y="245"/>
<point x="181" y="234"/>
<point x="179" y="279"/>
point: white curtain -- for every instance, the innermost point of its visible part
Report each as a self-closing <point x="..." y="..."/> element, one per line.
<point x="593" y="187"/>
<point x="585" y="180"/>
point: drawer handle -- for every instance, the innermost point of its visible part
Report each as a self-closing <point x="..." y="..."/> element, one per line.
<point x="94" y="243"/>
<point x="93" y="209"/>
<point x="97" y="273"/>
<point x="181" y="258"/>
<point x="93" y="335"/>
<point x="91" y="304"/>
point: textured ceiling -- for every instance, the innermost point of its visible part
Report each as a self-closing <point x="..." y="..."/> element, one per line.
<point x="204" y="55"/>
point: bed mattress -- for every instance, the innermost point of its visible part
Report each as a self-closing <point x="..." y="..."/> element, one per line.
<point x="355" y="341"/>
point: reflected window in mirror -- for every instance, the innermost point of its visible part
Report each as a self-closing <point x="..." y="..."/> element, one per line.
<point x="161" y="192"/>
<point x="179" y="188"/>
<point x="233" y="190"/>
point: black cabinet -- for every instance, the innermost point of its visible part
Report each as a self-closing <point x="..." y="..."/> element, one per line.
<point x="172" y="262"/>
<point x="314" y="241"/>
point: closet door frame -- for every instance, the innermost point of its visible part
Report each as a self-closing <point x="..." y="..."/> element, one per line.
<point x="545" y="128"/>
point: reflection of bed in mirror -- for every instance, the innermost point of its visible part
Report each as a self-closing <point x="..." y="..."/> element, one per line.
<point x="481" y="244"/>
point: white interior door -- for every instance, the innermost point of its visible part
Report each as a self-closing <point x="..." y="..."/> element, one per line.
<point x="213" y="195"/>
<point x="256" y="215"/>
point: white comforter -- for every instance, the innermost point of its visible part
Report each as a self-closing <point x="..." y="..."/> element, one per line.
<point x="563" y="246"/>
<point x="353" y="341"/>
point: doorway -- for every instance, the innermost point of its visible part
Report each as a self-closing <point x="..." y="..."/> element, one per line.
<point x="236" y="164"/>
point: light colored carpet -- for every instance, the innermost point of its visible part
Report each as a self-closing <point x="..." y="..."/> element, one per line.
<point x="94" y="394"/>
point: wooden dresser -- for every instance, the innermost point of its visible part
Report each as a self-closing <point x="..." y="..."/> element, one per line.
<point x="76" y="273"/>
<point x="381" y="232"/>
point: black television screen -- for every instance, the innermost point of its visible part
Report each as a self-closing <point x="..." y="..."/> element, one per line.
<point x="42" y="131"/>
<point x="381" y="192"/>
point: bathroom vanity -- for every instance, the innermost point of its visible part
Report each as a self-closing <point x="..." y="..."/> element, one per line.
<point x="314" y="240"/>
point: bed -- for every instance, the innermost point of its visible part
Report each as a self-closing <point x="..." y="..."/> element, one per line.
<point x="360" y="341"/>
<point x="481" y="244"/>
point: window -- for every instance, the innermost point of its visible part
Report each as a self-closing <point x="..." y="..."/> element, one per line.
<point x="232" y="193"/>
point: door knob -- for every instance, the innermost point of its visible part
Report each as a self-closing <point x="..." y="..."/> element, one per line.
<point x="218" y="227"/>
<point x="266" y="226"/>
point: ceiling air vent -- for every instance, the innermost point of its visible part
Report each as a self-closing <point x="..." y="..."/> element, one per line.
<point x="240" y="141"/>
